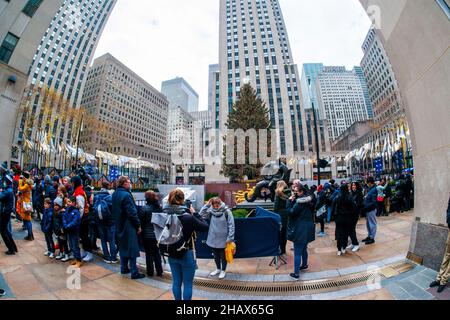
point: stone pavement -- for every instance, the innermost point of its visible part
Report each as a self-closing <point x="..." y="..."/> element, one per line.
<point x="31" y="275"/>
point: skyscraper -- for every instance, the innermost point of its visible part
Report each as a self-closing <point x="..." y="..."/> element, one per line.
<point x="23" y="23"/>
<point x="341" y="99"/>
<point x="309" y="75"/>
<point x="138" y="113"/>
<point x="360" y="73"/>
<point x="254" y="45"/>
<point x="60" y="66"/>
<point x="180" y="94"/>
<point x="213" y="70"/>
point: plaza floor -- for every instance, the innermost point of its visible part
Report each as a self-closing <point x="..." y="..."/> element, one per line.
<point x="31" y="275"/>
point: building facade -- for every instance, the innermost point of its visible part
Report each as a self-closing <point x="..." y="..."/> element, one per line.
<point x="360" y="73"/>
<point x="422" y="71"/>
<point x="59" y="70"/>
<point x="23" y="23"/>
<point x="136" y="114"/>
<point x="213" y="70"/>
<point x="341" y="99"/>
<point x="180" y="94"/>
<point x="254" y="47"/>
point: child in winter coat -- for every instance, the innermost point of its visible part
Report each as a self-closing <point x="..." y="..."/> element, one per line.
<point x="58" y="211"/>
<point x="47" y="227"/>
<point x="71" y="225"/>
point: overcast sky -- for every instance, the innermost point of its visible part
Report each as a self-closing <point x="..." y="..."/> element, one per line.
<point x="164" y="39"/>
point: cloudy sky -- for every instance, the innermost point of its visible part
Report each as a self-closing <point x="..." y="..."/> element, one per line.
<point x="164" y="39"/>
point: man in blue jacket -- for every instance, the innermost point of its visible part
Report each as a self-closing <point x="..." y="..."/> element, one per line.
<point x="71" y="225"/>
<point x="105" y="223"/>
<point x="444" y="273"/>
<point x="370" y="207"/>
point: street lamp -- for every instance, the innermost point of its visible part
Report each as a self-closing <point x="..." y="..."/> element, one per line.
<point x="316" y="135"/>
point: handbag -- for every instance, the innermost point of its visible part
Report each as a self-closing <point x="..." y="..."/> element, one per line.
<point x="322" y="212"/>
<point x="27" y="206"/>
<point x="230" y="251"/>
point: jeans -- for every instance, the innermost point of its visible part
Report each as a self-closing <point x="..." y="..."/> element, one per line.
<point x="50" y="243"/>
<point x="328" y="214"/>
<point x="219" y="258"/>
<point x="108" y="234"/>
<point x="152" y="257"/>
<point x="371" y="223"/>
<point x="84" y="235"/>
<point x="29" y="227"/>
<point x="183" y="271"/>
<point x="124" y="261"/>
<point x="74" y="244"/>
<point x="300" y="256"/>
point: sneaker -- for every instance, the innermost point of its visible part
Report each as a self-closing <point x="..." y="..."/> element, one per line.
<point x="295" y="276"/>
<point x="435" y="284"/>
<point x="350" y="247"/>
<point x="355" y="249"/>
<point x="441" y="288"/>
<point x="343" y="251"/>
<point x="215" y="273"/>
<point x="138" y="276"/>
<point x="71" y="256"/>
<point x="126" y="271"/>
<point x="83" y="253"/>
<point x="46" y="253"/>
<point x="2" y="292"/>
<point x="51" y="255"/>
<point x="370" y="241"/>
<point x="10" y="253"/>
<point x="89" y="257"/>
<point x="66" y="258"/>
<point x="339" y="253"/>
<point x="366" y="239"/>
<point x="107" y="261"/>
<point x="304" y="267"/>
<point x="222" y="274"/>
<point x="115" y="261"/>
<point x="59" y="256"/>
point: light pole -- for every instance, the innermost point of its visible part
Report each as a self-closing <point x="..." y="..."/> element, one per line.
<point x="316" y="136"/>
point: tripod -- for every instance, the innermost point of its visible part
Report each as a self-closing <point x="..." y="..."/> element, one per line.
<point x="277" y="260"/>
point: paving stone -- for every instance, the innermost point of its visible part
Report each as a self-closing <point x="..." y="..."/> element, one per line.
<point x="397" y="292"/>
<point x="414" y="290"/>
<point x="341" y="293"/>
<point x="305" y="276"/>
<point x="430" y="273"/>
<point x="393" y="260"/>
<point x="421" y="280"/>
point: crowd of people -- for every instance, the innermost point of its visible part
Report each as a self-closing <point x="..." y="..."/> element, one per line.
<point x="73" y="218"/>
<point x="301" y="207"/>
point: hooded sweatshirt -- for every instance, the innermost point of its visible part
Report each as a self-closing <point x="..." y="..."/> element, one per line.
<point x="221" y="226"/>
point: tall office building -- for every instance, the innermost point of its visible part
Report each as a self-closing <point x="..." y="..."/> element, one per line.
<point x="23" y="23"/>
<point x="341" y="98"/>
<point x="60" y="66"/>
<point x="254" y="45"/>
<point x="360" y="73"/>
<point x="213" y="70"/>
<point x="204" y="117"/>
<point x="309" y="75"/>
<point x="180" y="94"/>
<point x="382" y="84"/>
<point x="135" y="110"/>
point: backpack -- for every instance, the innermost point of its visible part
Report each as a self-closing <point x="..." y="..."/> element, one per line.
<point x="169" y="234"/>
<point x="102" y="211"/>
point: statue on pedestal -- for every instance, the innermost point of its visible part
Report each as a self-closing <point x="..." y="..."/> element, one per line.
<point x="272" y="172"/>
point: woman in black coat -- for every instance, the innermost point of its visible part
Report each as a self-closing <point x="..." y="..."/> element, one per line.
<point x="280" y="207"/>
<point x="152" y="255"/>
<point x="345" y="211"/>
<point x="300" y="228"/>
<point x="358" y="198"/>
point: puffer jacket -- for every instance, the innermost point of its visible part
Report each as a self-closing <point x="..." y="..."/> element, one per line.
<point x="47" y="221"/>
<point x="370" y="203"/>
<point x="221" y="226"/>
<point x="58" y="223"/>
<point x="72" y="220"/>
<point x="145" y="216"/>
<point x="301" y="227"/>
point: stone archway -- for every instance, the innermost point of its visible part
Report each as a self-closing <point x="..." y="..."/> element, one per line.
<point x="416" y="37"/>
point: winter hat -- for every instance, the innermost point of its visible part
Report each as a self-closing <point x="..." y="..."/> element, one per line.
<point x="26" y="175"/>
<point x="58" y="201"/>
<point x="76" y="180"/>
